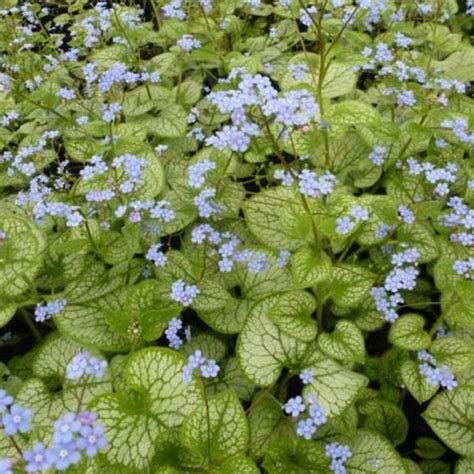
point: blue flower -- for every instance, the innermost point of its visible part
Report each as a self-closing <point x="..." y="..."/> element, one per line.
<point x="36" y="458"/>
<point x="294" y="406"/>
<point x="92" y="439"/>
<point x="65" y="427"/>
<point x="61" y="456"/>
<point x="5" y="400"/>
<point x="18" y="420"/>
<point x="5" y="466"/>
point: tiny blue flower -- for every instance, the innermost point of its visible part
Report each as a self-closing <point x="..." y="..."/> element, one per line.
<point x="65" y="427"/>
<point x="18" y="420"/>
<point x="92" y="439"/>
<point x="6" y="466"/>
<point x="36" y="458"/>
<point x="61" y="456"/>
<point x="5" y="400"/>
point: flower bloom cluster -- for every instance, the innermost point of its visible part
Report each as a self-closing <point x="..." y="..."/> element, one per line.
<point x="441" y="177"/>
<point x="74" y="435"/>
<point x="461" y="217"/>
<point x="378" y="155"/>
<point x="225" y="245"/>
<point x="24" y="160"/>
<point x="197" y="172"/>
<point x="401" y="277"/>
<point x="155" y="255"/>
<point x="292" y="108"/>
<point x="405" y="214"/>
<point x="465" y="268"/>
<point x="184" y="294"/>
<point x="339" y="454"/>
<point x="345" y="224"/>
<point x="459" y="128"/>
<point x="208" y="367"/>
<point x="84" y="363"/>
<point x="188" y="43"/>
<point x="435" y="373"/>
<point x="317" y="414"/>
<point x="50" y="309"/>
<point x="172" y="333"/>
<point x="14" y="418"/>
<point x="306" y="376"/>
<point x="139" y="210"/>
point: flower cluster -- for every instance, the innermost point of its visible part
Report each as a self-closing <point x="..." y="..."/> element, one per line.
<point x="206" y="205"/>
<point x="401" y="278"/>
<point x="317" y="414"/>
<point x="74" y="435"/>
<point x="155" y="255"/>
<point x="182" y="293"/>
<point x="345" y="224"/>
<point x="339" y="454"/>
<point x="171" y="333"/>
<point x="197" y="172"/>
<point x="226" y="246"/>
<point x="290" y="109"/>
<point x="465" y="268"/>
<point x="24" y="161"/>
<point x="188" y="43"/>
<point x="50" y="309"/>
<point x="14" y="418"/>
<point x="441" y="177"/>
<point x="140" y="210"/>
<point x="435" y="373"/>
<point x="208" y="367"/>
<point x="462" y="217"/>
<point x="84" y="363"/>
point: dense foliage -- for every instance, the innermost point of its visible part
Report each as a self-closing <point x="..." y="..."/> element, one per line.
<point x="236" y="236"/>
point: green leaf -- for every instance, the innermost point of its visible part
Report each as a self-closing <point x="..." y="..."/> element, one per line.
<point x="454" y="352"/>
<point x="386" y="418"/>
<point x="350" y="284"/>
<point x="451" y="416"/>
<point x="429" y="448"/>
<point x="144" y="98"/>
<point x="407" y="333"/>
<point x="171" y="123"/>
<point x="295" y="456"/>
<point x="252" y="287"/>
<point x="334" y="386"/>
<point x="416" y="383"/>
<point x="7" y="311"/>
<point x="231" y="377"/>
<point x="345" y="344"/>
<point x="309" y="268"/>
<point x="352" y="112"/>
<point x="263" y="349"/>
<point x="158" y="373"/>
<point x="465" y="466"/>
<point x="217" y="430"/>
<point x="20" y="254"/>
<point x="267" y="423"/>
<point x="274" y="216"/>
<point x="292" y="314"/>
<point x="162" y="401"/>
<point x="371" y="452"/>
<point x="130" y="435"/>
<point x="86" y="324"/>
<point x="236" y="465"/>
<point x="420" y="236"/>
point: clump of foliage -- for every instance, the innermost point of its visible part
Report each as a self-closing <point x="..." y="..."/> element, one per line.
<point x="236" y="236"/>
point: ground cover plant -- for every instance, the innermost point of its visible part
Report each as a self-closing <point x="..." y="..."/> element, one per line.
<point x="236" y="236"/>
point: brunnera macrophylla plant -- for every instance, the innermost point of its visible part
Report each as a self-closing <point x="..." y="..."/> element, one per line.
<point x="237" y="236"/>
